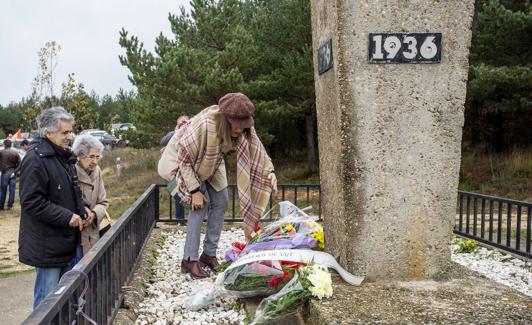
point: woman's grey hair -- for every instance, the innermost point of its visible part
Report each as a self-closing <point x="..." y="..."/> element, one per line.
<point x="84" y="143"/>
<point x="49" y="119"/>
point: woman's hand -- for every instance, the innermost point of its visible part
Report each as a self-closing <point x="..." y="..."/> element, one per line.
<point x="197" y="200"/>
<point x="273" y="181"/>
<point x="247" y="233"/>
<point x="89" y="217"/>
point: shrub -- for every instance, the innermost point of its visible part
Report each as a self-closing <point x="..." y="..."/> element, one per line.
<point x="467" y="246"/>
<point x="138" y="139"/>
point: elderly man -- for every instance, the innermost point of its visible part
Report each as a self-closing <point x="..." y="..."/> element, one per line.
<point x="50" y="198"/>
<point x="9" y="162"/>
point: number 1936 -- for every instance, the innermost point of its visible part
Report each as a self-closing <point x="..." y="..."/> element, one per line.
<point x="405" y="47"/>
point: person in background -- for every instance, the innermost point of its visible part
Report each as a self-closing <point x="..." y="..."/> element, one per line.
<point x="179" y="208"/>
<point x="21" y="152"/>
<point x="88" y="151"/>
<point x="23" y="148"/>
<point x="51" y="205"/>
<point x="9" y="164"/>
<point x="201" y="178"/>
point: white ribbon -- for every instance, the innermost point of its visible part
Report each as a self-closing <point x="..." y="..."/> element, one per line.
<point x="300" y="256"/>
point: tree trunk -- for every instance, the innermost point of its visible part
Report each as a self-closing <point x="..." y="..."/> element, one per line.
<point x="311" y="147"/>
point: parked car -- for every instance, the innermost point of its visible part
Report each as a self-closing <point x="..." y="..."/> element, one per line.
<point x="105" y="138"/>
<point x="122" y="126"/>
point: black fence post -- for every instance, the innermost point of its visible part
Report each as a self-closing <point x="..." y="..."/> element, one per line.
<point x="156" y="202"/>
<point x="511" y="232"/>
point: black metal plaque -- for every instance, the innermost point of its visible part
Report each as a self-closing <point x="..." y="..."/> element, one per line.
<point x="325" y="57"/>
<point x="404" y="47"/>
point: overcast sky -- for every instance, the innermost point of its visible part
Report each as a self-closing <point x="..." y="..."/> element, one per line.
<point x="87" y="31"/>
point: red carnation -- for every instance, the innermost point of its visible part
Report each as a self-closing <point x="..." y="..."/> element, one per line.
<point x="238" y="245"/>
<point x="291" y="264"/>
<point x="275" y="281"/>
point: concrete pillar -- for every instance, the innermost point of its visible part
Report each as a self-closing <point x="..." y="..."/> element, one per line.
<point x="390" y="136"/>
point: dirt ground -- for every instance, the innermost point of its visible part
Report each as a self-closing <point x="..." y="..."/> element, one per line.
<point x="9" y="224"/>
<point x="16" y="279"/>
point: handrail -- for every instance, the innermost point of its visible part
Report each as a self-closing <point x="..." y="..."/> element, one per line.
<point x="109" y="265"/>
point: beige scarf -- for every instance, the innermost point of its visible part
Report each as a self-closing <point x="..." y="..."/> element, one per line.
<point x="201" y="148"/>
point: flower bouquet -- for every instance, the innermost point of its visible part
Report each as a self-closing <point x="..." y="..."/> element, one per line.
<point x="258" y="278"/>
<point x="282" y="260"/>
<point x="309" y="281"/>
<point x="295" y="230"/>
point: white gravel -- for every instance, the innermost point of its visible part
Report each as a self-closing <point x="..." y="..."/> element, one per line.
<point x="500" y="267"/>
<point x="170" y="288"/>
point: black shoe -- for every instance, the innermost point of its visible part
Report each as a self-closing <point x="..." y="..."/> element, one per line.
<point x="181" y="222"/>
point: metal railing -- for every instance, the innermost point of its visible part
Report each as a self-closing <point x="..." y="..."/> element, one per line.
<point x="302" y="195"/>
<point x="480" y="217"/>
<point x="108" y="265"/>
<point x="499" y="222"/>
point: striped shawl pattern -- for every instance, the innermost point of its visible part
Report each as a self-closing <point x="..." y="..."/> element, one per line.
<point x="200" y="150"/>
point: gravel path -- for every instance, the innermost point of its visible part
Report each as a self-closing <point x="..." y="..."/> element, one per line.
<point x="500" y="267"/>
<point x="170" y="288"/>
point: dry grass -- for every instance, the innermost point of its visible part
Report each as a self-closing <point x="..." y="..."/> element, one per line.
<point x="138" y="171"/>
<point x="506" y="174"/>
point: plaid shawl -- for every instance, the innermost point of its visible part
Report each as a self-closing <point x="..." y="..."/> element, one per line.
<point x="200" y="148"/>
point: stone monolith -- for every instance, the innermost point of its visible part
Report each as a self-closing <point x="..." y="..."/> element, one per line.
<point x="390" y="117"/>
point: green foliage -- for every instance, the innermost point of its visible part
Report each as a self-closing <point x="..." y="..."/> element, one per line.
<point x="514" y="82"/>
<point x="275" y="307"/>
<point x="10" y="118"/>
<point x="261" y="48"/>
<point x="115" y="109"/>
<point x="138" y="138"/>
<point x="191" y="72"/>
<point x="284" y="85"/>
<point x="466" y="246"/>
<point x="504" y="29"/>
<point x="43" y="83"/>
<point x="76" y="101"/>
<point x="499" y="102"/>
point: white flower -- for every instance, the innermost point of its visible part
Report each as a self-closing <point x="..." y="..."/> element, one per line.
<point x="321" y="281"/>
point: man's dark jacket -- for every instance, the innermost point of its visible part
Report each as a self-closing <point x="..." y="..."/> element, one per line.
<point x="48" y="201"/>
<point x="9" y="160"/>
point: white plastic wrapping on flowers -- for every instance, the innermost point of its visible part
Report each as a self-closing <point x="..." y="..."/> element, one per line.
<point x="261" y="317"/>
<point x="289" y="213"/>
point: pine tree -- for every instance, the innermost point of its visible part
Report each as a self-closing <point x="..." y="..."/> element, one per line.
<point x="499" y="101"/>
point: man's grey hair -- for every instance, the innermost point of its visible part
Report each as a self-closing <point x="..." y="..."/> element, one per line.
<point x="49" y="120"/>
<point x="84" y="143"/>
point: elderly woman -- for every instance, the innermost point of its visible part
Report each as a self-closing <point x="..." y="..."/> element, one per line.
<point x="88" y="151"/>
<point x="202" y="181"/>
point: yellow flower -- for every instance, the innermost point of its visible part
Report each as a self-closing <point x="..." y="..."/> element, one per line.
<point x="318" y="236"/>
<point x="289" y="227"/>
